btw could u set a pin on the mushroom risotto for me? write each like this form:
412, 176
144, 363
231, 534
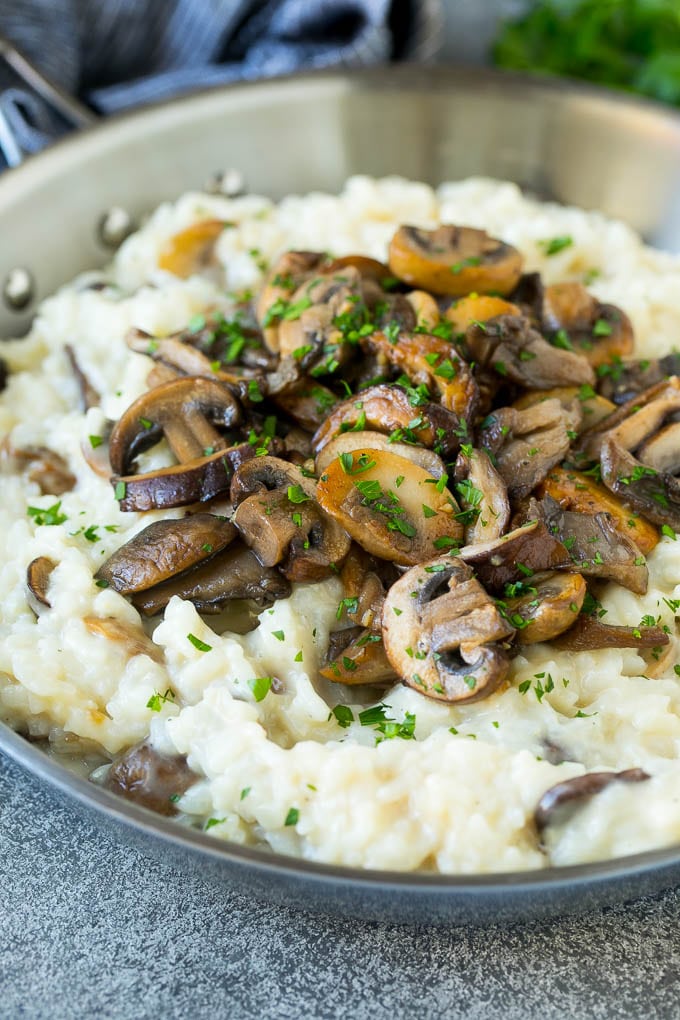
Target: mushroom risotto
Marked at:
347, 526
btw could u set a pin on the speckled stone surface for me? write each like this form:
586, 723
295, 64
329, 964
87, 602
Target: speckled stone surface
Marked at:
90, 928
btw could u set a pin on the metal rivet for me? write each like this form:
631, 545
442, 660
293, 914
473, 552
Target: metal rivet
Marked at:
229, 182
17, 289
114, 226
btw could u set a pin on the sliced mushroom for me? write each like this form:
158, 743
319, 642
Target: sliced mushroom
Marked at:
622, 382
196, 482
89, 397
278, 516
599, 331
38, 575
390, 506
478, 308
596, 547
589, 633
183, 411
442, 631
426, 309
431, 362
284, 277
38, 464
163, 549
594, 408
133, 639
516, 556
190, 250
578, 492
454, 260
151, 779
348, 442
589, 445
311, 318
182, 358
363, 589
363, 661
483, 496
654, 492
233, 573
572, 793
307, 403
514, 350
547, 607
388, 409
95, 450
525, 445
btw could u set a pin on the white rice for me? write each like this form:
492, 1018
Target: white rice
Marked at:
458, 798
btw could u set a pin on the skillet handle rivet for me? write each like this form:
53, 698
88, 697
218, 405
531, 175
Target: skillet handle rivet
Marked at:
228, 182
114, 226
17, 290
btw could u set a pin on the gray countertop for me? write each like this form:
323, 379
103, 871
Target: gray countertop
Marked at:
91, 928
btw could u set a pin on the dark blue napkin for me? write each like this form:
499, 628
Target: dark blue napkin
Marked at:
114, 54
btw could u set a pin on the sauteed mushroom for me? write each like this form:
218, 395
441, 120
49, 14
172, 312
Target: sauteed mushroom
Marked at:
163, 549
39, 464
478, 308
38, 575
390, 506
285, 276
654, 491
88, 394
623, 381
442, 632
310, 319
573, 792
599, 331
132, 638
526, 444
588, 633
517, 352
594, 408
547, 606
483, 495
190, 250
233, 573
516, 556
151, 779
348, 442
362, 661
278, 516
454, 260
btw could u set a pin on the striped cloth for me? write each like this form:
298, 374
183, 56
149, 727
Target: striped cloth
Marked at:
115, 54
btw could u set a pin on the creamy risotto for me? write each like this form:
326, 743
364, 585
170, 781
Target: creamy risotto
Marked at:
239, 719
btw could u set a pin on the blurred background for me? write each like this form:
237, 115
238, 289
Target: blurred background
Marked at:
109, 55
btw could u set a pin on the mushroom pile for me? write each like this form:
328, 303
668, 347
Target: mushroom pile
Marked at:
472, 453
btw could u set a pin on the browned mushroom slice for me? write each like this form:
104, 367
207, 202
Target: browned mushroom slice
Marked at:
38, 575
594, 408
89, 397
234, 573
367, 268
308, 403
431, 362
284, 277
514, 350
596, 547
578, 492
526, 444
41, 465
363, 589
278, 516
426, 309
516, 556
183, 411
547, 606
348, 442
599, 331
191, 249
163, 549
182, 358
151, 779
441, 632
362, 661
184, 484
388, 409
589, 444
309, 321
478, 308
133, 639
623, 381
454, 260
588, 633
390, 506
572, 793
655, 493
483, 496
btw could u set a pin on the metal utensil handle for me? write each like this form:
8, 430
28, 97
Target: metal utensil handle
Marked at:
70, 109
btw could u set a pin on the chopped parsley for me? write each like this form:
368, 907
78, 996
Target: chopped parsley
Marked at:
157, 700
51, 516
292, 817
198, 644
554, 245
260, 686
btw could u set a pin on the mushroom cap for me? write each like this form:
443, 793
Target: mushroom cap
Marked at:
38, 575
190, 250
573, 792
515, 556
483, 496
163, 549
151, 779
390, 506
547, 608
362, 661
441, 632
454, 260
348, 442
599, 331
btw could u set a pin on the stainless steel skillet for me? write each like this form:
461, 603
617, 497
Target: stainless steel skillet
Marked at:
561, 141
